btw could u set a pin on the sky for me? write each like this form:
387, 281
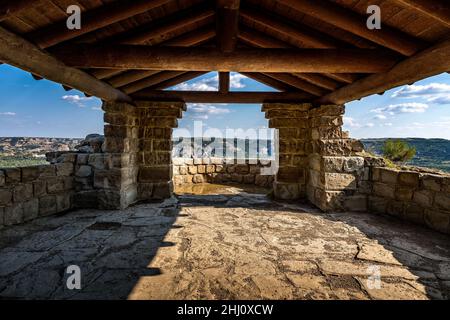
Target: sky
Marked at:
44, 109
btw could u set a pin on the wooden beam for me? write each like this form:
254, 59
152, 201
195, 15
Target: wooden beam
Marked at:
150, 81
356, 24
18, 52
192, 38
92, 20
298, 83
105, 73
268, 81
438, 10
177, 80
242, 60
217, 97
11, 7
343, 77
425, 64
130, 77
224, 82
227, 24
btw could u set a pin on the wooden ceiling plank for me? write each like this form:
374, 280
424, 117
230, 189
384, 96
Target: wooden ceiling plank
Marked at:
298, 83
242, 60
356, 24
439, 10
319, 80
427, 63
92, 20
18, 52
177, 80
11, 7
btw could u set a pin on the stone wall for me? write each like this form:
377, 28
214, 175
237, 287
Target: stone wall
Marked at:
30, 192
220, 170
419, 197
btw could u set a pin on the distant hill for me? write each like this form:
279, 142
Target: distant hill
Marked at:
431, 153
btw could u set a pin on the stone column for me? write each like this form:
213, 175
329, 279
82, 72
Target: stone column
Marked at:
291, 120
117, 180
335, 168
156, 122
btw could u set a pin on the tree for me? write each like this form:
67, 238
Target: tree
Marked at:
398, 151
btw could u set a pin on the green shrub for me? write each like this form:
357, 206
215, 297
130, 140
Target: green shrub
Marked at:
398, 151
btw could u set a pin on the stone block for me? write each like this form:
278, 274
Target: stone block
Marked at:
352, 164
231, 168
423, 198
47, 171
31, 209
97, 161
13, 175
175, 170
13, 215
342, 147
249, 179
242, 168
389, 176
220, 168
178, 180
395, 208
2, 178
47, 205
432, 182
356, 203
210, 168
145, 191
2, 217
384, 190
162, 190
30, 174
82, 158
414, 213
55, 185
39, 188
64, 169
332, 132
84, 171
162, 145
157, 158
217, 161
63, 202
198, 178
376, 174
197, 161
206, 161
178, 161
182, 170
404, 193
6, 197
261, 180
437, 220
339, 181
377, 204
286, 191
333, 164
236, 177
201, 169
329, 200
410, 179
23, 192
442, 201
155, 173
192, 169
315, 162
254, 169
110, 200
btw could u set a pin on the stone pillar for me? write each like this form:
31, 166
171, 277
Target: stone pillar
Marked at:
156, 122
291, 120
117, 180
335, 168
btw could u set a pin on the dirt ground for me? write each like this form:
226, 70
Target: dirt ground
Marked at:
231, 243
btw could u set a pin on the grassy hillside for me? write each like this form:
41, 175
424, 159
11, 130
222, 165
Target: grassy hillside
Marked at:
431, 153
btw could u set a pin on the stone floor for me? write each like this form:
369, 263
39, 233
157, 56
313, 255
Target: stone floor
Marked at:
236, 244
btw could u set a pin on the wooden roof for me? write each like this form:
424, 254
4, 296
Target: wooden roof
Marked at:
317, 50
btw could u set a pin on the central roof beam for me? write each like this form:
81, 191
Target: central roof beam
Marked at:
93, 20
227, 24
356, 24
242, 60
224, 82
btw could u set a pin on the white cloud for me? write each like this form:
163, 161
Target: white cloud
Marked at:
412, 107
434, 93
10, 114
380, 117
211, 83
202, 111
77, 100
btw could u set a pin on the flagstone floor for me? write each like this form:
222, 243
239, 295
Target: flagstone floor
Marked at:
234, 244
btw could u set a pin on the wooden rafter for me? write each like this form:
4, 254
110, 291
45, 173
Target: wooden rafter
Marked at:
227, 24
224, 82
298, 83
268, 81
18, 52
356, 24
217, 97
430, 62
319, 80
151, 81
242, 60
92, 20
438, 10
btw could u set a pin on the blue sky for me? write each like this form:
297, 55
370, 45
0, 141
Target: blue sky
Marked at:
44, 109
